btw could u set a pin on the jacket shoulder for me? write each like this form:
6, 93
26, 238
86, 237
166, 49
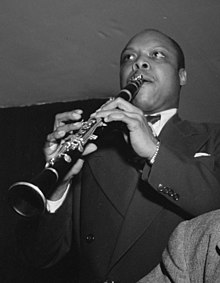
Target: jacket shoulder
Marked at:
201, 127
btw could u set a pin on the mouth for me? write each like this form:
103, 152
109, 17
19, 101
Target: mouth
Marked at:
145, 78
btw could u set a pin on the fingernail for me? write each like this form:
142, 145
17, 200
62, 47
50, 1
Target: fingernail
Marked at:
52, 145
94, 114
79, 111
61, 133
76, 115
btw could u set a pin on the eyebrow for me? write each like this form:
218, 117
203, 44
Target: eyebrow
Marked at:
161, 47
127, 49
151, 49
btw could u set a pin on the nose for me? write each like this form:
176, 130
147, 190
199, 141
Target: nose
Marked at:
141, 64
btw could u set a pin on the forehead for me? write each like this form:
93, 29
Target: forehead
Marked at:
150, 39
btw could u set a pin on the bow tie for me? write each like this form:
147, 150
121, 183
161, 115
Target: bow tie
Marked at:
153, 118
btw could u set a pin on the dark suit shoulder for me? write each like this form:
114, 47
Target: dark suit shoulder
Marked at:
198, 127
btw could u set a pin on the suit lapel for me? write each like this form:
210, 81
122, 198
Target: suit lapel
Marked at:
124, 192
140, 215
182, 136
115, 177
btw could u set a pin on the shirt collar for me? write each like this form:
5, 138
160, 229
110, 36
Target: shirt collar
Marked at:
165, 116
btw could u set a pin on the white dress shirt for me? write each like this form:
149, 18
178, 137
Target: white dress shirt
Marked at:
165, 116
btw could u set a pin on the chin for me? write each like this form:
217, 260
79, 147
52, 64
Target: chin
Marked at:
146, 106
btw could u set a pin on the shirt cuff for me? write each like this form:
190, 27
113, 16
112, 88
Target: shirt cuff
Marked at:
52, 206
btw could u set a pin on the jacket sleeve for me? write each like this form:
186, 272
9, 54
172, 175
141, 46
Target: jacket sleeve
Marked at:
43, 241
190, 182
192, 253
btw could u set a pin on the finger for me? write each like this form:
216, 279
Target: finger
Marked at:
50, 148
75, 169
51, 145
68, 128
134, 121
117, 114
62, 118
55, 136
78, 165
61, 131
91, 147
122, 116
101, 107
120, 103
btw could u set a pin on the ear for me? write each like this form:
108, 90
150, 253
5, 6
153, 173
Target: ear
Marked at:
182, 76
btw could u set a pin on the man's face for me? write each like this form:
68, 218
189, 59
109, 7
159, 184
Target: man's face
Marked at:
152, 55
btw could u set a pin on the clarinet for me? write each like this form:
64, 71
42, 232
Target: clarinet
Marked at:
30, 198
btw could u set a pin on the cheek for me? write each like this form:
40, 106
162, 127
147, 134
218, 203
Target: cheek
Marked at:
168, 81
124, 74
168, 75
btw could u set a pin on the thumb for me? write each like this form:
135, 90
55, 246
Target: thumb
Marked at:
50, 149
91, 147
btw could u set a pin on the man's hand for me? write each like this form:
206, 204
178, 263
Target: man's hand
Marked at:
140, 134
66, 123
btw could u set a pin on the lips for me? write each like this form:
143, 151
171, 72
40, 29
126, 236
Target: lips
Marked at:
146, 78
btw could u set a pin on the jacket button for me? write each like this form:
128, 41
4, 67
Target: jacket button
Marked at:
176, 196
160, 188
171, 193
90, 238
166, 190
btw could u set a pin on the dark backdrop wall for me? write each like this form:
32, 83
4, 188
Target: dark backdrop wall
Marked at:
23, 132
